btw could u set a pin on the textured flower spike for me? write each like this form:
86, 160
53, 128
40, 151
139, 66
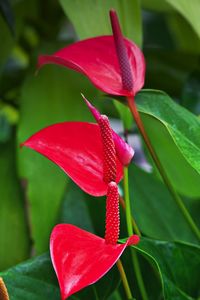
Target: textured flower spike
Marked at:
105, 67
122, 54
109, 153
123, 150
112, 214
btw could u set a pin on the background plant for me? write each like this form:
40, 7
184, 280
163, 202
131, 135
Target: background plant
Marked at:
35, 195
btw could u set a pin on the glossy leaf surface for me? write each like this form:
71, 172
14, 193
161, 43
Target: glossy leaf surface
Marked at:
155, 211
174, 133
81, 258
76, 147
32, 280
177, 265
97, 59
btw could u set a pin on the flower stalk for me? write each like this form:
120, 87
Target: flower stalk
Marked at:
130, 228
124, 280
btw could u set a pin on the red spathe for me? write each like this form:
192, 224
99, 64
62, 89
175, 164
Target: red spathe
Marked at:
81, 258
76, 147
97, 59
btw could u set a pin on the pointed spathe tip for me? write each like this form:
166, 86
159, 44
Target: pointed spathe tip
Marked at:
96, 114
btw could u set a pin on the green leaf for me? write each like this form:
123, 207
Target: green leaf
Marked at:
53, 96
156, 213
35, 280
97, 17
14, 238
177, 265
174, 133
32, 280
189, 10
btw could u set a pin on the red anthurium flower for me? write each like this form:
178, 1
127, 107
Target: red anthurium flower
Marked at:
77, 148
113, 64
81, 258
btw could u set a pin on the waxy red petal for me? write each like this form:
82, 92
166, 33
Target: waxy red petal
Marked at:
76, 147
97, 59
80, 258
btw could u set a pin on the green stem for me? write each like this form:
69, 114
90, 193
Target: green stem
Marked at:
128, 204
177, 199
130, 227
135, 227
124, 280
139, 275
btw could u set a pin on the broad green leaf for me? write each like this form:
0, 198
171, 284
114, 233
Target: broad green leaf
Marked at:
32, 280
177, 265
14, 240
174, 133
156, 213
189, 10
91, 18
53, 96
35, 280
